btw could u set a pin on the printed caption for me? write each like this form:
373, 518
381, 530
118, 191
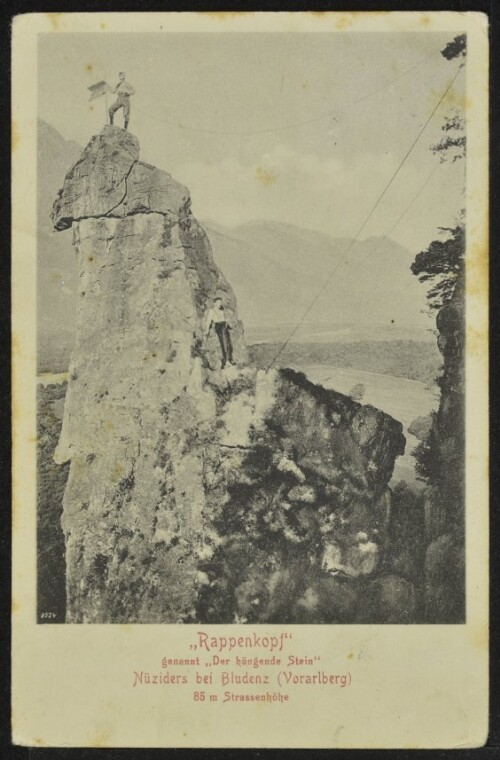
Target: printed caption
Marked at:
242, 669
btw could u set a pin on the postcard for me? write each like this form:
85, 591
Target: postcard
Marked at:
250, 380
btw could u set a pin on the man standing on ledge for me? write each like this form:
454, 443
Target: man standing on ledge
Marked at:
123, 90
216, 317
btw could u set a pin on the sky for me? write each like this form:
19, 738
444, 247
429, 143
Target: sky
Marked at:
304, 129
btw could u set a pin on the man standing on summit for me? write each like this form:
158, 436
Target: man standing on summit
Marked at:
123, 90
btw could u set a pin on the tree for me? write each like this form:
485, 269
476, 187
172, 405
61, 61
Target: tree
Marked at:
443, 264
451, 147
457, 48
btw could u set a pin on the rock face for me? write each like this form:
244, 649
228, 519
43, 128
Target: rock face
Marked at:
196, 494
445, 557
51, 482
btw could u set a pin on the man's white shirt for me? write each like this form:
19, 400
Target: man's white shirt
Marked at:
216, 316
124, 88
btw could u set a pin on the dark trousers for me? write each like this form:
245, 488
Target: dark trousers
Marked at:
123, 101
222, 330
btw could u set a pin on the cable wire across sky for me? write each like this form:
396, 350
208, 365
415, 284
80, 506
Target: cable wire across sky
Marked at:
367, 218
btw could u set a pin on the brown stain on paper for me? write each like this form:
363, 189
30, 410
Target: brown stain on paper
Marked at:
453, 99
476, 288
345, 20
479, 638
14, 136
265, 176
225, 15
456, 100
341, 20
101, 739
54, 19
476, 281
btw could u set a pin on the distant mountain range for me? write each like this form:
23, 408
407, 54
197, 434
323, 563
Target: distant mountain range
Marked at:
276, 271
56, 261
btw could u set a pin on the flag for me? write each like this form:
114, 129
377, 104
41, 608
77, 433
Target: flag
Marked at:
96, 90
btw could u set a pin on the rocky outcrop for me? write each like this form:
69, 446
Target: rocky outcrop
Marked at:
445, 556
109, 180
51, 482
304, 510
195, 493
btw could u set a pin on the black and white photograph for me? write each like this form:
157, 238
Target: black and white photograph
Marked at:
251, 328
250, 295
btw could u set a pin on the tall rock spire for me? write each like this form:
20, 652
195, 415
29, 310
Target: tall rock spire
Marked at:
146, 276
